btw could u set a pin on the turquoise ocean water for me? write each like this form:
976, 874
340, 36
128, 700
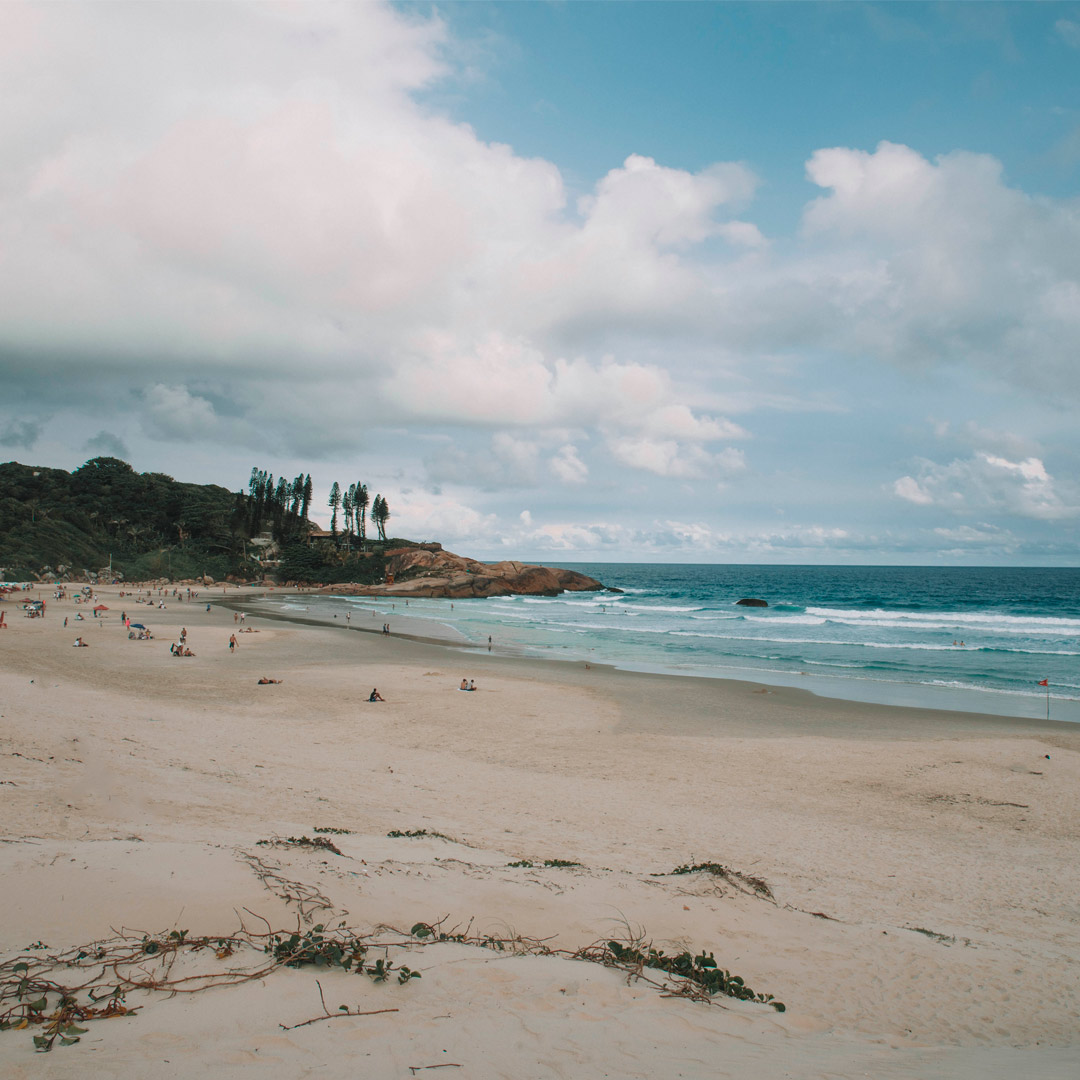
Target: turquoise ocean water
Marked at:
880, 634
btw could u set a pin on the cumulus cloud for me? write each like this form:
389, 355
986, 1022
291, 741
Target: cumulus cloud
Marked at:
568, 466
267, 237
987, 482
922, 261
664, 457
173, 412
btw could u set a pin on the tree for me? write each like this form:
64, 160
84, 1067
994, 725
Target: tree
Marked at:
360, 504
380, 514
306, 504
334, 503
347, 506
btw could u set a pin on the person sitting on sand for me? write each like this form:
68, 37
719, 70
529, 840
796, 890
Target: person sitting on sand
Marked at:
80, 644
188, 652
375, 696
464, 684
264, 681
472, 684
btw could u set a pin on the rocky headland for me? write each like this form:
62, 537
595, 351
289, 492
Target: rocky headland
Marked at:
429, 571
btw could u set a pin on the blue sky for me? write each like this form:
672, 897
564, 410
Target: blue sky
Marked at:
662, 281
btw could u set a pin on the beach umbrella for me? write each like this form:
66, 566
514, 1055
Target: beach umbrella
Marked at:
101, 607
137, 626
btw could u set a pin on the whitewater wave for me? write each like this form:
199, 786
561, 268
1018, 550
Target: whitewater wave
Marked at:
880, 616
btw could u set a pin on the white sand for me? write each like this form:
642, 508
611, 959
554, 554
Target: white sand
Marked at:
135, 787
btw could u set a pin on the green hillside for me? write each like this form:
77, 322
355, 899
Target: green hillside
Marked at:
148, 525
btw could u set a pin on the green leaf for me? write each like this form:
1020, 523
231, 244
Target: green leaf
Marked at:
21, 966
37, 1006
42, 1043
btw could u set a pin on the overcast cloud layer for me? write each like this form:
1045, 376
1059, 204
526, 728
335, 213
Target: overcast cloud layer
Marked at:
234, 235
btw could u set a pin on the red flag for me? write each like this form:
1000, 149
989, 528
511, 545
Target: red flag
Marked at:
1045, 682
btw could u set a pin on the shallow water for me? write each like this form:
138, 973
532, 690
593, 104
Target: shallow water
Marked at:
969, 638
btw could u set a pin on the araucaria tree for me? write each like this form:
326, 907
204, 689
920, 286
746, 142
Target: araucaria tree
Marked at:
360, 505
334, 503
380, 514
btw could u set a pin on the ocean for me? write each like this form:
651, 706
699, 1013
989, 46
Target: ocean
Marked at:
976, 639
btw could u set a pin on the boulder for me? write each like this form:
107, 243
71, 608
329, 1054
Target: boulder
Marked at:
750, 601
430, 571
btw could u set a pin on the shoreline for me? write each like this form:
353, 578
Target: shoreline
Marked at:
864, 717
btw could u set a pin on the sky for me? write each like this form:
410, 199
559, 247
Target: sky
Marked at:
763, 283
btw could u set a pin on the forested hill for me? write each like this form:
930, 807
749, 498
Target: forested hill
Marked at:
148, 526
148, 523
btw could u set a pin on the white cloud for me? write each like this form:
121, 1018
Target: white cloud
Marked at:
568, 466
986, 482
664, 457
908, 488
443, 518
172, 412
922, 261
269, 239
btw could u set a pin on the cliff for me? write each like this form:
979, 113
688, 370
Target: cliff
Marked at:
424, 572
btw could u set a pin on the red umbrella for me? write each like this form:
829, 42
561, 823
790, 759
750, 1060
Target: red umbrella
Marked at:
101, 607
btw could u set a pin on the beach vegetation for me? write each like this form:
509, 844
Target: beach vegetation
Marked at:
744, 882
58, 992
321, 843
414, 833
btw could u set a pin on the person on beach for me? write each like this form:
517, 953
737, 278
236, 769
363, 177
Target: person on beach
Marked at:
472, 685
375, 695
233, 643
264, 681
464, 684
80, 644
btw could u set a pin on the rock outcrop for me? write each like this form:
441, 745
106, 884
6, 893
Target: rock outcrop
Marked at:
750, 601
424, 572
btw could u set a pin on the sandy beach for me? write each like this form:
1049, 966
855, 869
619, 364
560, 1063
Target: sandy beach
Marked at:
906, 882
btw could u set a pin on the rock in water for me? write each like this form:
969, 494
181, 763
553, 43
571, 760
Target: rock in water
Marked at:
750, 601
